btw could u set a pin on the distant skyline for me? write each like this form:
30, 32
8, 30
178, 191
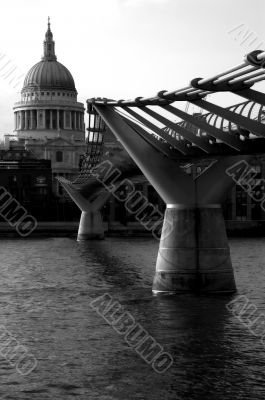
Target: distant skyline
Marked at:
127, 48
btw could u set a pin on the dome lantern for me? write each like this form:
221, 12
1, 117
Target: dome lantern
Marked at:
49, 45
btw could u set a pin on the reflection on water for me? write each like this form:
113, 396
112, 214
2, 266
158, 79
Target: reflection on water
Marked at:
45, 289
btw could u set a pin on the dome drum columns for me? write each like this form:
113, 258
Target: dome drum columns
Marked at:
50, 119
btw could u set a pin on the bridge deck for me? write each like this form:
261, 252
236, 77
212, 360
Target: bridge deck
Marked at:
218, 131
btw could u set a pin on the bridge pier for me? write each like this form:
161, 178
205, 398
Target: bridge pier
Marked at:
194, 254
90, 226
91, 223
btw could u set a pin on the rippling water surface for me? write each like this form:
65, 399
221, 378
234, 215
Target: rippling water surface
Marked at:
45, 289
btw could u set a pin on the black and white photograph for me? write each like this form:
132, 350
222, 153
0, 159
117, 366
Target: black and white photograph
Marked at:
132, 200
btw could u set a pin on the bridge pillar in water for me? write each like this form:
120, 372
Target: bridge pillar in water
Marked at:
90, 226
91, 223
193, 254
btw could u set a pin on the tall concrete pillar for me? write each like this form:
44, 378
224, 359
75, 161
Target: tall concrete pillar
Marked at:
91, 223
194, 253
90, 226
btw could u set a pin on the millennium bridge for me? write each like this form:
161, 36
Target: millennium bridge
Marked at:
159, 139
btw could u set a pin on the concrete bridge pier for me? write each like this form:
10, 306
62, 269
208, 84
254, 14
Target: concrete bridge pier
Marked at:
194, 253
90, 226
91, 223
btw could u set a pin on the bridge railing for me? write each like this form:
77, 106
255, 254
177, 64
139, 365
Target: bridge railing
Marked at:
217, 130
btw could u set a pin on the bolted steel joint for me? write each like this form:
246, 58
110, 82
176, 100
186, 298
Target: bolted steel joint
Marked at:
252, 59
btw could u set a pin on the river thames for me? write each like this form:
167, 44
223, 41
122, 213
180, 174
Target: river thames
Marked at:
45, 290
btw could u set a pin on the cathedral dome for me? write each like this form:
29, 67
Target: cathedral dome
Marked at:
49, 73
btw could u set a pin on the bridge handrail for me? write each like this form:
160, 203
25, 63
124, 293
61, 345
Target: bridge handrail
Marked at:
240, 77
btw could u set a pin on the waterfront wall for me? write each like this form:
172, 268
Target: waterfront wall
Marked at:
131, 229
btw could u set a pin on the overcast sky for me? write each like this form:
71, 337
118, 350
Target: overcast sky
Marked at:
127, 48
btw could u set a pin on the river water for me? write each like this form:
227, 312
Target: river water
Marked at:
46, 287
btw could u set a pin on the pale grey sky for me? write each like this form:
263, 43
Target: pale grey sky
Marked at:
127, 48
